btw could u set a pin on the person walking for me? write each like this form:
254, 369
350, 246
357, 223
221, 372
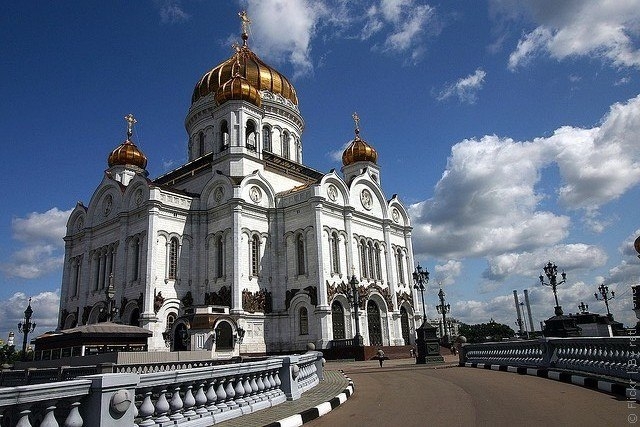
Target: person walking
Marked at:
380, 355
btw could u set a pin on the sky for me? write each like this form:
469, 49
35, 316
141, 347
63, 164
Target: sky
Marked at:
510, 129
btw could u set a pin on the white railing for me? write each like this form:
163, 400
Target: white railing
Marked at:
615, 357
192, 397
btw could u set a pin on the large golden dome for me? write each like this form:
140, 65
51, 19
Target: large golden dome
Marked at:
253, 69
359, 151
128, 153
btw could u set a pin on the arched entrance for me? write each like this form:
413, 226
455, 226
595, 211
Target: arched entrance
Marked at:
404, 325
375, 327
224, 336
134, 319
337, 320
181, 340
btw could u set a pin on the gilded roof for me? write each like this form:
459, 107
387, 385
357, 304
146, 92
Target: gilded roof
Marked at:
359, 151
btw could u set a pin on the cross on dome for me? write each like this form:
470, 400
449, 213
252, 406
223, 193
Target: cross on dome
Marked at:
356, 120
245, 22
130, 122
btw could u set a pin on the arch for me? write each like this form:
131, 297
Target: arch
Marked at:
181, 340
172, 267
251, 135
286, 141
224, 135
266, 138
300, 253
374, 323
254, 252
98, 314
334, 243
404, 326
337, 320
70, 321
303, 321
224, 335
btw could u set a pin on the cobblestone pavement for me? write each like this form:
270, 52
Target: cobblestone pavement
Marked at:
333, 384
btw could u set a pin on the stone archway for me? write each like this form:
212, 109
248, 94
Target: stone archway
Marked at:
375, 323
337, 321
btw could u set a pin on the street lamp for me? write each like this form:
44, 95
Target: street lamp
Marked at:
110, 292
551, 271
604, 292
26, 327
355, 302
420, 280
443, 309
584, 308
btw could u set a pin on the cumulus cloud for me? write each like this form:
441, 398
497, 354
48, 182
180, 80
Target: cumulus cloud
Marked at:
604, 30
488, 200
396, 25
465, 89
45, 307
42, 250
446, 274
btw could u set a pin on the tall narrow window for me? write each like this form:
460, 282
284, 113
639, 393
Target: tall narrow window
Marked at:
304, 321
298, 151
335, 253
255, 255
201, 144
400, 263
372, 270
285, 145
224, 135
266, 138
337, 321
135, 247
96, 271
173, 258
251, 135
300, 253
220, 257
376, 253
363, 258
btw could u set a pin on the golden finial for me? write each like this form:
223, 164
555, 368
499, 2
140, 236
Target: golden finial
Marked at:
245, 22
130, 122
356, 120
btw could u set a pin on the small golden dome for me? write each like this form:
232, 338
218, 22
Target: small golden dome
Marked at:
238, 88
250, 67
128, 153
359, 150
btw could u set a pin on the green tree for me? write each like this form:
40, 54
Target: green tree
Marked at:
484, 332
8, 354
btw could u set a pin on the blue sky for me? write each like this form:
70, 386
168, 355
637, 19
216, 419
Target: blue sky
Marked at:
509, 128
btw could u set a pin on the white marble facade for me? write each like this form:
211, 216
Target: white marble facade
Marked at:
245, 233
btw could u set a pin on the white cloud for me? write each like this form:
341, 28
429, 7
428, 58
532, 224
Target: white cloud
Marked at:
446, 274
45, 314
465, 89
487, 202
171, 12
42, 248
565, 29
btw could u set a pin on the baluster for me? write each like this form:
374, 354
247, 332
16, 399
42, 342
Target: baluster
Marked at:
239, 388
231, 393
162, 407
254, 386
24, 419
201, 400
146, 409
211, 396
74, 419
261, 386
221, 395
176, 405
49, 419
189, 402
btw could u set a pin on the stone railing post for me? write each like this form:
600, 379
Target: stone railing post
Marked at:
320, 365
548, 353
111, 400
289, 373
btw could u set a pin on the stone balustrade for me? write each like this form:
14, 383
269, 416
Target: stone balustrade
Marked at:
615, 357
191, 397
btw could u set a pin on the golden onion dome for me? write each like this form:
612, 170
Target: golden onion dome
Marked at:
238, 88
258, 74
359, 151
128, 153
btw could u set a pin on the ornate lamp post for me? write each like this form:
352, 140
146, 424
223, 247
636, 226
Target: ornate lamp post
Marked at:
443, 309
420, 280
355, 302
26, 327
110, 292
604, 293
584, 308
551, 271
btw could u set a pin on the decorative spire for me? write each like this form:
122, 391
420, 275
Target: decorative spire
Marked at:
130, 122
356, 120
245, 22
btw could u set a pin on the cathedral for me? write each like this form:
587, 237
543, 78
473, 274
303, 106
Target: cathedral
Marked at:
243, 249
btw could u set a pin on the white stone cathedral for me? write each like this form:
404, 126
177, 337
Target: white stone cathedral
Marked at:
243, 249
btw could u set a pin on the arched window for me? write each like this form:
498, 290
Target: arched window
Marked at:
266, 138
201, 144
219, 257
370, 255
255, 255
298, 151
135, 258
399, 260
363, 258
337, 320
173, 259
300, 253
251, 135
304, 321
376, 253
224, 336
335, 253
285, 145
96, 270
224, 135
171, 319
